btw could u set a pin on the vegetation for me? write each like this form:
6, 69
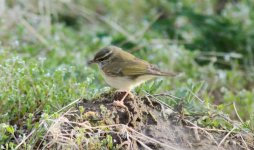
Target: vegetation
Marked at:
44, 47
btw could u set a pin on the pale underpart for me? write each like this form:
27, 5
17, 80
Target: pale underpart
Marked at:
125, 83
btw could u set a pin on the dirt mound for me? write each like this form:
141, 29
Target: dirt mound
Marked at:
147, 124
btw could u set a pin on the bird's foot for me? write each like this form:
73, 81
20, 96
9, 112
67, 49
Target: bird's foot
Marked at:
119, 104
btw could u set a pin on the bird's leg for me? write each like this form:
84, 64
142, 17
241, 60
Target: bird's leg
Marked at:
129, 93
121, 102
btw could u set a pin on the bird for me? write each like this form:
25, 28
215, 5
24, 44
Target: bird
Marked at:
124, 71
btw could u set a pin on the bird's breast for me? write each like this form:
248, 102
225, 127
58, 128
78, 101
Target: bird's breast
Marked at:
124, 82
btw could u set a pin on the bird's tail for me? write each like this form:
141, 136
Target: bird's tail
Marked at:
164, 73
156, 71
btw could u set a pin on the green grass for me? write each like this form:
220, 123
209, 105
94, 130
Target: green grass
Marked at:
41, 74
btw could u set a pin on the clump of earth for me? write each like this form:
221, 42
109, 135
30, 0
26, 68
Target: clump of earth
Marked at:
145, 124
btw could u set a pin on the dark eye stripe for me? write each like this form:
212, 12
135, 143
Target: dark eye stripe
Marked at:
101, 53
105, 56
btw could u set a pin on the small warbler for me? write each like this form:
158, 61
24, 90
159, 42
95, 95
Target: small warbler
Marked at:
124, 71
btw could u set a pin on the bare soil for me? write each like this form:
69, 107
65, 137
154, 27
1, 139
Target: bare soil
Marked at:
158, 126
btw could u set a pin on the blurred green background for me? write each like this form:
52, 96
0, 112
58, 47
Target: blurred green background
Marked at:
44, 46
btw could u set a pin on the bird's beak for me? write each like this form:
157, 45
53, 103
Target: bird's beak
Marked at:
90, 62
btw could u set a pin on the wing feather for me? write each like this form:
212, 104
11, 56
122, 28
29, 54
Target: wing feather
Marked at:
133, 66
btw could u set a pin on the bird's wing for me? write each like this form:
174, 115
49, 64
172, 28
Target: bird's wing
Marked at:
133, 68
141, 67
127, 67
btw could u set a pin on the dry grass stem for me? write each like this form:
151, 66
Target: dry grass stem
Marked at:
244, 142
34, 32
238, 116
209, 134
221, 142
